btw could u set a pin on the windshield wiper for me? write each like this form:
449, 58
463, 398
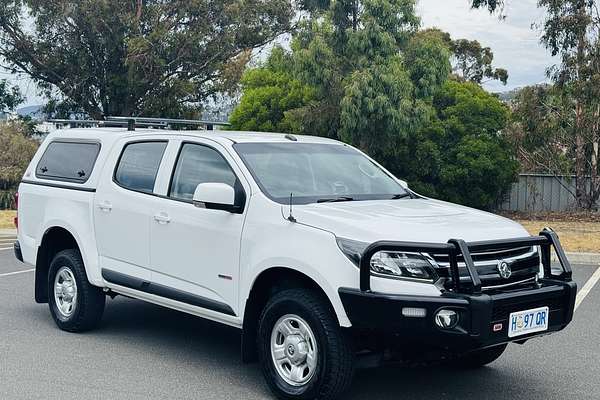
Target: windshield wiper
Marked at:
400, 196
335, 199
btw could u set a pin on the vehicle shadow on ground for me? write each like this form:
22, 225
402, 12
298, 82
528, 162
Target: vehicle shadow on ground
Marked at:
180, 338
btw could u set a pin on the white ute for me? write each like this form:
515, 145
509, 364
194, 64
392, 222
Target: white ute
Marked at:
319, 255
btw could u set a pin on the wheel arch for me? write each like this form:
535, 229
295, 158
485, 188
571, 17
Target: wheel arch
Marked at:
269, 282
55, 238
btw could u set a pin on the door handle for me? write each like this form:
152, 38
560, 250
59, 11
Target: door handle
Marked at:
162, 218
105, 206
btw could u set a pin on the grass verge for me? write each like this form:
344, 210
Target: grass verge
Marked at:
575, 236
6, 219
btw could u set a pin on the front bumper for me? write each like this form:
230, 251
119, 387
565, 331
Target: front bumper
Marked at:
478, 314
483, 314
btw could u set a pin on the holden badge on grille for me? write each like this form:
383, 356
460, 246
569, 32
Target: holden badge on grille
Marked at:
504, 269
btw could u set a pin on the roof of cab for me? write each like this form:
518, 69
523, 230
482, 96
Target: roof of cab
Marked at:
219, 135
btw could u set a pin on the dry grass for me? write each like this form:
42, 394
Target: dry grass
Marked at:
575, 236
6, 219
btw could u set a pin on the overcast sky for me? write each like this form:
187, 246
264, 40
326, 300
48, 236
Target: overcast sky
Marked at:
515, 45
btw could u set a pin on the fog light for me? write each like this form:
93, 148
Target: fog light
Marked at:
446, 319
411, 312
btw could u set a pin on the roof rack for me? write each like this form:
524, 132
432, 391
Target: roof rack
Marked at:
132, 122
94, 123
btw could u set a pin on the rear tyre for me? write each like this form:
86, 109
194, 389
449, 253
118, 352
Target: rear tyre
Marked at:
479, 358
304, 354
75, 304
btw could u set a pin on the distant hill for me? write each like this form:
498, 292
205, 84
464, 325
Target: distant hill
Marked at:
509, 95
31, 111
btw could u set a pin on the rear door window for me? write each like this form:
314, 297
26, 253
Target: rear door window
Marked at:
138, 165
68, 161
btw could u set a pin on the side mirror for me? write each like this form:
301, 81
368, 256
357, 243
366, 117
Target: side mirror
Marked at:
215, 196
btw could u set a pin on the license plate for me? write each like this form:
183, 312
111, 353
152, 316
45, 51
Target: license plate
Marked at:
528, 321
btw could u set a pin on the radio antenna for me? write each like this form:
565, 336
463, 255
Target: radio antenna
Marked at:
291, 216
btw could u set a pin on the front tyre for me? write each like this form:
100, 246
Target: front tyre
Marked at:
303, 352
75, 304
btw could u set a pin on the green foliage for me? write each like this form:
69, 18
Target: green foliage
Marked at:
150, 57
427, 61
343, 62
461, 156
269, 91
10, 99
378, 108
17, 151
541, 129
471, 109
10, 96
474, 62
478, 171
471, 61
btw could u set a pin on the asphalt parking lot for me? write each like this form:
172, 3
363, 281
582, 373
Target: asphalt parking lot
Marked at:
142, 351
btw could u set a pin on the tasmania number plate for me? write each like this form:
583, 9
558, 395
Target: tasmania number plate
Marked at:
528, 321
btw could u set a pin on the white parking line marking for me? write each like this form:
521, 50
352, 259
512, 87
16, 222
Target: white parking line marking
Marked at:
17, 272
6, 248
585, 290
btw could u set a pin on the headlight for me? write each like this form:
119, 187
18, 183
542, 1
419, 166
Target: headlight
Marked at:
396, 264
391, 264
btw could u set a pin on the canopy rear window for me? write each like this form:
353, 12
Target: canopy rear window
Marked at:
68, 161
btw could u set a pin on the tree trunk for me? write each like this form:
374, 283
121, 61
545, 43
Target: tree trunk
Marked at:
355, 15
595, 180
580, 170
580, 178
138, 12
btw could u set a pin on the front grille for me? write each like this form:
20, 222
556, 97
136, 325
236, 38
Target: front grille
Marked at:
524, 263
502, 310
501, 254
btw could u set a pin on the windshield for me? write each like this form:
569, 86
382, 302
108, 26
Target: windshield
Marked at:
315, 172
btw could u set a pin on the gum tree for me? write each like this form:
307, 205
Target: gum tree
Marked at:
379, 83
142, 57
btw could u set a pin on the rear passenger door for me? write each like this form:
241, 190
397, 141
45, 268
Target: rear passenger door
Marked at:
123, 209
195, 251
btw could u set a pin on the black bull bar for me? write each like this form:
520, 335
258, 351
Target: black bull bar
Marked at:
454, 248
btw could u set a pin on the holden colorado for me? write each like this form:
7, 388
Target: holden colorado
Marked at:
321, 257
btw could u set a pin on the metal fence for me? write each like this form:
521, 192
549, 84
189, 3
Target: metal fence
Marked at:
538, 192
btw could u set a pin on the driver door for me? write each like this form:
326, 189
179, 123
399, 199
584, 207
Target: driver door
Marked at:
195, 251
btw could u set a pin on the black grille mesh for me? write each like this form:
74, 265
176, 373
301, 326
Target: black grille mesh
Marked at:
487, 256
501, 311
